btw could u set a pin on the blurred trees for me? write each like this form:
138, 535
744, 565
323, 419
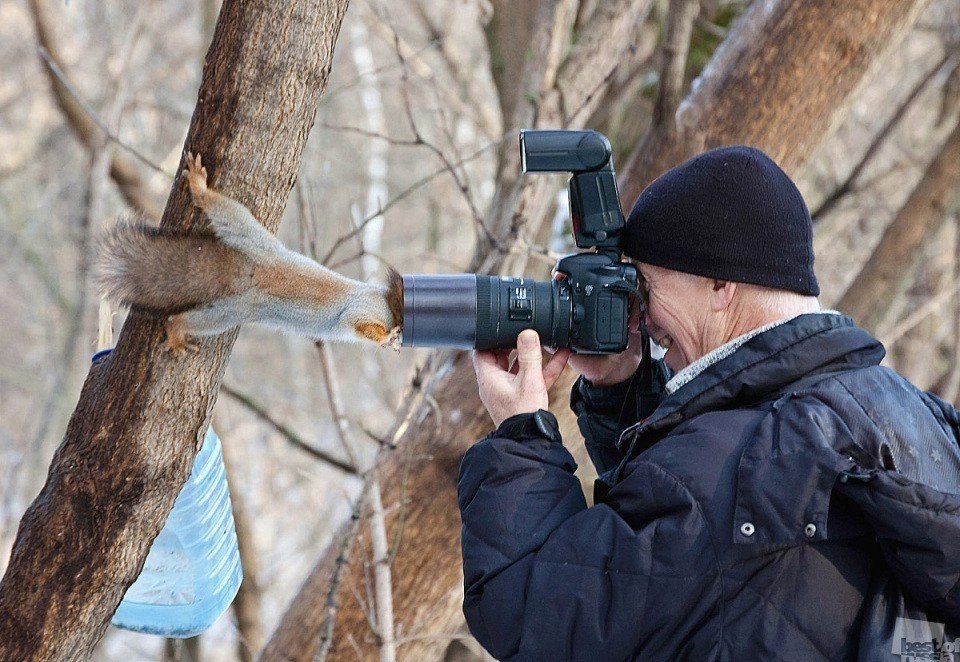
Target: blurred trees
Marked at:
855, 99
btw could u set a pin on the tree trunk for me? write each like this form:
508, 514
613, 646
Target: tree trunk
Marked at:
886, 273
131, 441
779, 82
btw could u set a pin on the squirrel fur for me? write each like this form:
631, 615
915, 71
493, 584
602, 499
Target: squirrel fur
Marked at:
208, 282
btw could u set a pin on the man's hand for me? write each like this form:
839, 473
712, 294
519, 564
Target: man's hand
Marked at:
521, 388
610, 369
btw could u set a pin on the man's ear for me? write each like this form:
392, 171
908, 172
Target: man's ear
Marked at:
722, 294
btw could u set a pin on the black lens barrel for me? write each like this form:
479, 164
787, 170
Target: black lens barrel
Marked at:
468, 311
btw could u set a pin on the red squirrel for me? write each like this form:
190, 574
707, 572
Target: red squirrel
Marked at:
209, 283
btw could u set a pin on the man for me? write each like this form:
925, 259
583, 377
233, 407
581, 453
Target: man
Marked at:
788, 498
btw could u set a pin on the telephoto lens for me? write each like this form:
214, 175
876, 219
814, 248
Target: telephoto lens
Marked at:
471, 311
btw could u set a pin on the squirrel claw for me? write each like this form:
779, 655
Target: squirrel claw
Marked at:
196, 175
393, 340
180, 347
177, 338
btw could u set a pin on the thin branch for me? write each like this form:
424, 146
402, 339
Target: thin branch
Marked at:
382, 580
369, 134
929, 307
336, 402
92, 114
846, 186
410, 189
347, 538
952, 388
246, 605
676, 45
359, 255
450, 167
374, 72
287, 433
409, 60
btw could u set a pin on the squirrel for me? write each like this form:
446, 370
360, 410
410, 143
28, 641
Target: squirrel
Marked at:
208, 283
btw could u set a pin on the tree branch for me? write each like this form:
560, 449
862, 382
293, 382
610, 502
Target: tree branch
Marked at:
883, 276
676, 45
125, 172
814, 54
879, 139
288, 434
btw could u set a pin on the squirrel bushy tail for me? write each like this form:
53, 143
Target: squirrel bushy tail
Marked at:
166, 271
237, 272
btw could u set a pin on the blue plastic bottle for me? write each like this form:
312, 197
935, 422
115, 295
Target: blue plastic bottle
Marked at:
193, 571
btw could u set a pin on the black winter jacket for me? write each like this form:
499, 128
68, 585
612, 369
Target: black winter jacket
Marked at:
794, 501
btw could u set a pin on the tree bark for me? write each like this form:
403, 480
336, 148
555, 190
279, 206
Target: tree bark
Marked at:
886, 273
131, 441
779, 82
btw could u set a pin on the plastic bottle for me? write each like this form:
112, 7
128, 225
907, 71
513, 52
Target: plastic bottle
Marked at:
193, 571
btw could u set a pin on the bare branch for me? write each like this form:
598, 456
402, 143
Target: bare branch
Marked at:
92, 114
676, 45
411, 189
286, 432
813, 54
369, 134
246, 605
336, 402
883, 276
907, 324
124, 171
879, 139
383, 582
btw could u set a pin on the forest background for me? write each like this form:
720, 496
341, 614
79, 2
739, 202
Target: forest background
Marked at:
412, 161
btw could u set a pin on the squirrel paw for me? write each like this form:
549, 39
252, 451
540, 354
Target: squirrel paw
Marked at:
378, 333
196, 175
177, 337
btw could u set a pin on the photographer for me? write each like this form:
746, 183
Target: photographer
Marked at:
784, 496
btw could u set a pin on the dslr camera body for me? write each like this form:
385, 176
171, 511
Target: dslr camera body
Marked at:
586, 310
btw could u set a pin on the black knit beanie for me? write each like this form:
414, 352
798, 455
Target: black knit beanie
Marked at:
731, 214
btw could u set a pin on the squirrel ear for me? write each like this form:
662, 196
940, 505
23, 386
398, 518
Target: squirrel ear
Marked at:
395, 295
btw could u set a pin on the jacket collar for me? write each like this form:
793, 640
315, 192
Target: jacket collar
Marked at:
809, 346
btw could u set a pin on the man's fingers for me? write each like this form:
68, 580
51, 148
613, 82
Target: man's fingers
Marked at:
487, 362
555, 366
528, 349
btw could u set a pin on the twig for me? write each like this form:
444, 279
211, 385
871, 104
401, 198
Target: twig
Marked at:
676, 45
410, 189
246, 605
287, 433
846, 186
711, 28
336, 403
408, 59
369, 134
357, 256
374, 72
92, 114
307, 227
952, 387
906, 324
336, 578
381, 568
462, 184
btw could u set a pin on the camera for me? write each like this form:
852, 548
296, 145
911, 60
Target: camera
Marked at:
587, 310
